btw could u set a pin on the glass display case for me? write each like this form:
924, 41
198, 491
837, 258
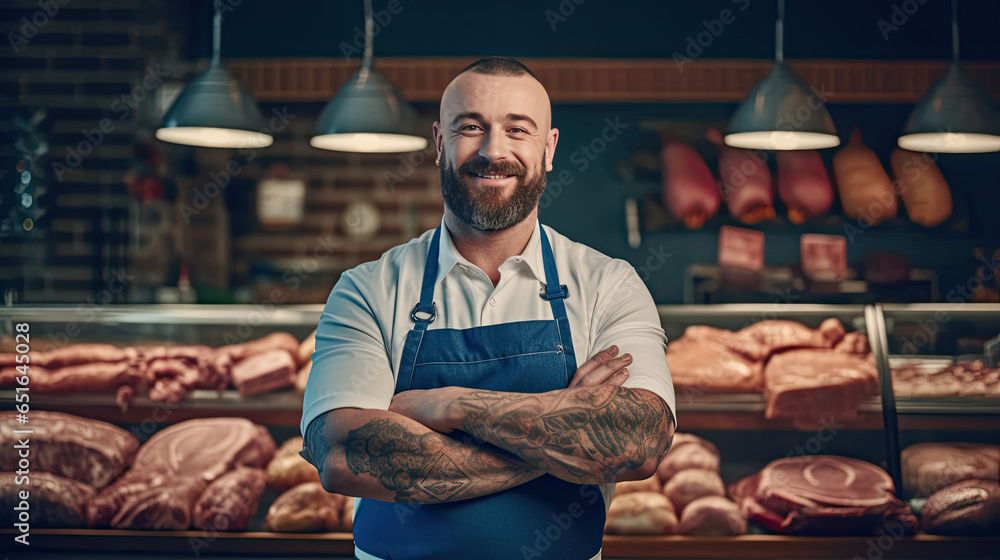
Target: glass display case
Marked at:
735, 422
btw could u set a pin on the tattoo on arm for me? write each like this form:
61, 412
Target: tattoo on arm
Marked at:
430, 467
583, 432
317, 443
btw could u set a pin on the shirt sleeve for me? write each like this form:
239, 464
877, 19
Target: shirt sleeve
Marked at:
351, 367
630, 320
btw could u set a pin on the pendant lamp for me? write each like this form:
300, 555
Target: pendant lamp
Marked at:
955, 115
368, 114
781, 112
214, 110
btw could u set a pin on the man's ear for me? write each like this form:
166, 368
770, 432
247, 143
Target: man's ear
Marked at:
438, 141
550, 147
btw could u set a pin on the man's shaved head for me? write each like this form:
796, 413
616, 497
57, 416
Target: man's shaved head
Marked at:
498, 66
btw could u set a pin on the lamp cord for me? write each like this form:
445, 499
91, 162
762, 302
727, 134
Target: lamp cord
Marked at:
216, 35
954, 29
779, 33
366, 62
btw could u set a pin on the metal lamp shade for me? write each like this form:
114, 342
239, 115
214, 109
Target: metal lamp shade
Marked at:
955, 116
782, 113
367, 115
215, 111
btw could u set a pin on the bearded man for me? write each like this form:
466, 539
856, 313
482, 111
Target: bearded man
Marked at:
445, 390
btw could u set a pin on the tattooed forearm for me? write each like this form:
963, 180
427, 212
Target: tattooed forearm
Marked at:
584, 434
430, 467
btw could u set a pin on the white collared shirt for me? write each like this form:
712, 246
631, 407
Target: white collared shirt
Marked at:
361, 333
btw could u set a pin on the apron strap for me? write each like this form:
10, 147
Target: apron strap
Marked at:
555, 293
425, 311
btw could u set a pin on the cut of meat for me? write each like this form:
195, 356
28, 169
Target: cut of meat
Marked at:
691, 456
929, 467
76, 354
91, 377
712, 516
288, 468
690, 484
267, 371
230, 501
822, 495
707, 366
777, 336
964, 378
746, 182
803, 184
277, 341
173, 469
302, 377
854, 343
641, 513
651, 484
347, 514
53, 501
689, 188
306, 508
968, 508
865, 188
737, 342
810, 385
684, 438
306, 349
80, 449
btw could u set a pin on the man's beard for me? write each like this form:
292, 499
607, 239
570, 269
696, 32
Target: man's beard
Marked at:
487, 209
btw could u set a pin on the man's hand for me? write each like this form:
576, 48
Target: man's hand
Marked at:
430, 407
604, 367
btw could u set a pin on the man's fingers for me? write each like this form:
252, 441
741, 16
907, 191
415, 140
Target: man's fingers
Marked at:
598, 360
604, 372
619, 378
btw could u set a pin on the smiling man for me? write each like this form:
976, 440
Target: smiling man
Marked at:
445, 390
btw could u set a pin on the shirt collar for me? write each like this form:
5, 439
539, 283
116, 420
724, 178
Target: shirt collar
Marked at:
449, 257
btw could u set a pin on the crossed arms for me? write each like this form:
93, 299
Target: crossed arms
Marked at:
594, 431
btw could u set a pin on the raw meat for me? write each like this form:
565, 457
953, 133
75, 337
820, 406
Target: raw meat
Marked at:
865, 188
712, 516
707, 366
923, 189
347, 514
854, 343
267, 371
306, 508
968, 508
822, 495
288, 468
691, 484
53, 501
964, 378
777, 336
683, 457
651, 484
306, 349
641, 513
80, 449
737, 342
276, 341
929, 467
173, 468
684, 438
810, 385
746, 182
689, 189
302, 377
803, 184
95, 377
76, 354
230, 501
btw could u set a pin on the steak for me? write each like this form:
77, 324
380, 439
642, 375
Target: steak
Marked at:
230, 501
821, 495
968, 508
929, 467
267, 371
306, 508
809, 385
53, 501
707, 366
88, 451
174, 468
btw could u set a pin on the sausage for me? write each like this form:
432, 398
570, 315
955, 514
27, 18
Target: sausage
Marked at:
688, 185
746, 182
864, 186
803, 184
923, 189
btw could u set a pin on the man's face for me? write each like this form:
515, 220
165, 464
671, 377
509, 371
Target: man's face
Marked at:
494, 145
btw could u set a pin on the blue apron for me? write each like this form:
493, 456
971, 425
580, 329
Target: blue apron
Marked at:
544, 518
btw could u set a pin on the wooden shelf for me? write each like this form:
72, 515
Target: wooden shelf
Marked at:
616, 80
330, 544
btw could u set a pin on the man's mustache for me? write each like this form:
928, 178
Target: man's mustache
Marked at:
482, 167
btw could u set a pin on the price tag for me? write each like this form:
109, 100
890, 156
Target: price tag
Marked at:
824, 257
741, 248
